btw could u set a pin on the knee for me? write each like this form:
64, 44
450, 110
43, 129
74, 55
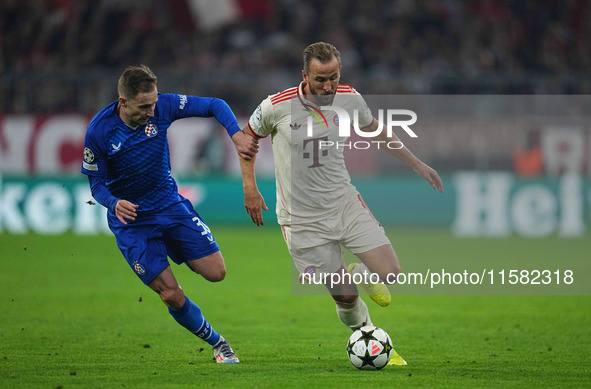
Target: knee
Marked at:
396, 271
215, 275
388, 275
212, 267
173, 298
345, 300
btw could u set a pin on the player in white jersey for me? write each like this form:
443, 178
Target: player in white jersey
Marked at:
317, 170
318, 208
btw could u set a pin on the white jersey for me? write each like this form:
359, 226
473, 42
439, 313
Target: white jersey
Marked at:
310, 171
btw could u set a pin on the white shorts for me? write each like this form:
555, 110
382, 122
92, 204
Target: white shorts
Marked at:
316, 247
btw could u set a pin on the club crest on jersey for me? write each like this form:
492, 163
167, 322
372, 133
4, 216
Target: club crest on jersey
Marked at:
336, 119
139, 269
310, 270
151, 130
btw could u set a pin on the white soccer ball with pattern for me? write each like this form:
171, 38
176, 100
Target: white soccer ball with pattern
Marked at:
369, 348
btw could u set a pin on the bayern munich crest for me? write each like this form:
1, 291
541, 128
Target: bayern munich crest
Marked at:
139, 269
310, 270
151, 130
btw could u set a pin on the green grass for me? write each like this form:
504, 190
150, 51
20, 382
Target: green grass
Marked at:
73, 315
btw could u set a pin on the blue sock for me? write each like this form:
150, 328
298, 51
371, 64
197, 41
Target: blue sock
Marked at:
190, 317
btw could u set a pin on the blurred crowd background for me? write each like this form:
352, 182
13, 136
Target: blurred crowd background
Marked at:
64, 55
501, 87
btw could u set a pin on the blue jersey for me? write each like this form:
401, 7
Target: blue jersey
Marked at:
135, 163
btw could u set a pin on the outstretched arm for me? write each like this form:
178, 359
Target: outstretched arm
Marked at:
253, 200
406, 156
246, 146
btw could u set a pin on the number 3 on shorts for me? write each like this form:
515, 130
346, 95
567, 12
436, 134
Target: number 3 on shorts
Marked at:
204, 227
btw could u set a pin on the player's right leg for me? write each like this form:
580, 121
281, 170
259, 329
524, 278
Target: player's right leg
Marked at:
211, 267
315, 252
351, 309
188, 239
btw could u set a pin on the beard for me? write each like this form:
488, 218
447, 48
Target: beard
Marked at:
323, 99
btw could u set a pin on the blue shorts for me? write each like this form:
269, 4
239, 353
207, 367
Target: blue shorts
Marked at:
176, 232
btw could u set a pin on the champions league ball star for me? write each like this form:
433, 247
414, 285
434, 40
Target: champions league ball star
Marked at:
369, 348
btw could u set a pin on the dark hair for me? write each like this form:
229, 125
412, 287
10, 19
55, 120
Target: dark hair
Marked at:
322, 51
136, 79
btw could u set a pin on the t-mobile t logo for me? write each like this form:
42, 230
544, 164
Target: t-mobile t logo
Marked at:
315, 152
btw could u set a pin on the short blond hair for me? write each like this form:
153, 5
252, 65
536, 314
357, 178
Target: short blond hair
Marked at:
322, 51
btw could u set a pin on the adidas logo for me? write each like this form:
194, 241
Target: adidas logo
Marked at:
375, 349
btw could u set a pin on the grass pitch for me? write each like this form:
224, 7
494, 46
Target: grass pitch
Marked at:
74, 315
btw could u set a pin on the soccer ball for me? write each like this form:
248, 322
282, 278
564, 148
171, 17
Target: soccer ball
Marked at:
369, 348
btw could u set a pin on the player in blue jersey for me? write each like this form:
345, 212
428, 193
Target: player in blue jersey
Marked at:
127, 160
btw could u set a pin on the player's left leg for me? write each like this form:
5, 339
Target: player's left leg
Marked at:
367, 239
381, 261
379, 266
189, 315
183, 310
212, 268
189, 240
